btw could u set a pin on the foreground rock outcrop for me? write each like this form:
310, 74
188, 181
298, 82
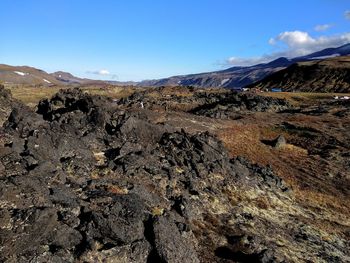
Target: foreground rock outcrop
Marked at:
83, 179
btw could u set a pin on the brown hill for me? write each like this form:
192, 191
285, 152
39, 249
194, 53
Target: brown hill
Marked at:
328, 75
26, 75
69, 79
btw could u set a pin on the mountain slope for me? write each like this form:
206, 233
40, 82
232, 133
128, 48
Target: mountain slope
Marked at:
325, 53
235, 77
328, 75
68, 78
26, 75
23, 75
238, 77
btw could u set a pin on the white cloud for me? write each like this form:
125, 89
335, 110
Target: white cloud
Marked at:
324, 27
293, 44
347, 14
298, 43
293, 38
103, 72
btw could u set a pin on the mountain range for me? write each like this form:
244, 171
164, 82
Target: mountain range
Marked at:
233, 78
238, 77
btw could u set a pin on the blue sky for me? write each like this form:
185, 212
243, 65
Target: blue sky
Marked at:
135, 40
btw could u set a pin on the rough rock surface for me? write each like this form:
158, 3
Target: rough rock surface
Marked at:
228, 105
85, 180
221, 105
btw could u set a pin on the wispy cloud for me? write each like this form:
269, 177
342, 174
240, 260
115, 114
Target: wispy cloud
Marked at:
324, 27
347, 14
104, 73
292, 44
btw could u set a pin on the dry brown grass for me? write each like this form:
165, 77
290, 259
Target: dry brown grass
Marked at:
245, 140
291, 163
170, 91
30, 95
297, 98
111, 91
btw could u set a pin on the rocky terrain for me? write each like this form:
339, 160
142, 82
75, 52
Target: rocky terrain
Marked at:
224, 102
173, 175
328, 75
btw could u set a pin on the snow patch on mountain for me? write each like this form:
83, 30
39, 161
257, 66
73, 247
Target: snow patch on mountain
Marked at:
224, 81
324, 57
20, 73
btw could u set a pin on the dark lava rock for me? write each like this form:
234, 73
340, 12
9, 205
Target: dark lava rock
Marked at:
6, 103
170, 246
82, 180
118, 222
226, 106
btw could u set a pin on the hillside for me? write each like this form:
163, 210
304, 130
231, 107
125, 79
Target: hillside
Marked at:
235, 77
328, 75
26, 75
69, 79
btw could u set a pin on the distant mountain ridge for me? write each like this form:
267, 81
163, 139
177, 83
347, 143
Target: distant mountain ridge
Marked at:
328, 52
238, 77
233, 78
24, 75
68, 78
